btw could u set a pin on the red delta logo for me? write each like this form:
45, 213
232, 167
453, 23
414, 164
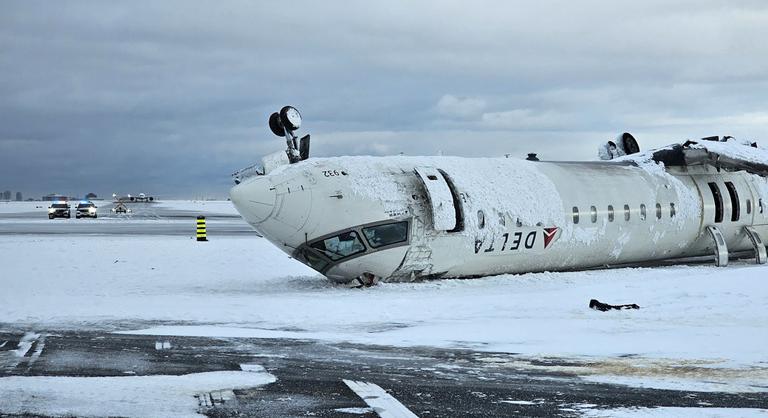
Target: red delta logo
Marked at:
549, 236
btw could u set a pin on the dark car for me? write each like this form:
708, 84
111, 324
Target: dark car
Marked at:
85, 210
59, 210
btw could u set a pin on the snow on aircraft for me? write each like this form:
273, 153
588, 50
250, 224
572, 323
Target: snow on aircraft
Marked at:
398, 218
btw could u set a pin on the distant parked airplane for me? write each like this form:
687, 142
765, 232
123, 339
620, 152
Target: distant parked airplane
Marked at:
141, 198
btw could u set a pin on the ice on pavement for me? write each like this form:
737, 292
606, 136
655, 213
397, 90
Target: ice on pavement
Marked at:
124, 396
675, 412
711, 318
213, 207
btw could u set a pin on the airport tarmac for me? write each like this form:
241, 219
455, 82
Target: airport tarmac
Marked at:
144, 219
310, 376
84, 361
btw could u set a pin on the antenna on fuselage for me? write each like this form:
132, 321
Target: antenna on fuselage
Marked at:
284, 124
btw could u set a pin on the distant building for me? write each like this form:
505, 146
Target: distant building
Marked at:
18, 197
53, 197
7, 195
90, 196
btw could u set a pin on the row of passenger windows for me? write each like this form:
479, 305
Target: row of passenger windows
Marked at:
627, 213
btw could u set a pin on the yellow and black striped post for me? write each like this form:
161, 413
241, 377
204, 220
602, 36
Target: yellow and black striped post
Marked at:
201, 234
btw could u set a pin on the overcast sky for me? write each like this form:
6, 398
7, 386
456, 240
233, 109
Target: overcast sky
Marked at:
171, 97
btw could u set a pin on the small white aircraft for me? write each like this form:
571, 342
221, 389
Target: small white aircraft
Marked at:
364, 219
141, 198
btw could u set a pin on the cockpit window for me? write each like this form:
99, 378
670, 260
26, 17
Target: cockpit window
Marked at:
314, 260
340, 246
387, 234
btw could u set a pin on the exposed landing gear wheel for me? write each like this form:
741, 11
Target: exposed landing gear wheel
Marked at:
275, 125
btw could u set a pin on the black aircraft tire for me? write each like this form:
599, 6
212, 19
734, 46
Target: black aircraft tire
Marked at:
276, 125
286, 121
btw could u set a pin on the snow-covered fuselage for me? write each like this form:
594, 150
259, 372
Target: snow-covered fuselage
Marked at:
404, 218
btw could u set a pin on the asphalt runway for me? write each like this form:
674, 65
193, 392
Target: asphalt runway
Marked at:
145, 219
312, 378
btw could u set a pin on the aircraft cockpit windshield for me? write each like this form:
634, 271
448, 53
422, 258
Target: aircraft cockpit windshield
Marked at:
340, 246
387, 234
325, 252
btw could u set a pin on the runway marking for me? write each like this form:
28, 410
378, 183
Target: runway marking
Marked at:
38, 350
214, 398
26, 343
162, 345
21, 354
384, 404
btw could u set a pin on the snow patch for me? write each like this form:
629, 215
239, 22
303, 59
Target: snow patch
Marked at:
125, 396
665, 412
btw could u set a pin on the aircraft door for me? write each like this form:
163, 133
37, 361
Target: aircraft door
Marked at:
441, 199
758, 187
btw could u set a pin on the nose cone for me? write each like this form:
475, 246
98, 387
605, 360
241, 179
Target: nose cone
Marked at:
254, 199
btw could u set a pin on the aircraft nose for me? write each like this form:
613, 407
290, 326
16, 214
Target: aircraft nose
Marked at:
254, 199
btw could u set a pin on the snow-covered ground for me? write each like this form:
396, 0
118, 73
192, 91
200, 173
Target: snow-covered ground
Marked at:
150, 396
23, 207
697, 325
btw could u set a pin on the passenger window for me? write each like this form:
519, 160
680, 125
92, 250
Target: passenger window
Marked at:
480, 219
593, 213
672, 210
658, 211
642, 212
388, 234
575, 215
610, 213
626, 213
760, 202
749, 206
340, 246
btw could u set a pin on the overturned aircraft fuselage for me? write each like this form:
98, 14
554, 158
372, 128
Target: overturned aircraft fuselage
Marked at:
405, 218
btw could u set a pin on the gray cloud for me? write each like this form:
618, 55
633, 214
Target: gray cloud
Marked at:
170, 97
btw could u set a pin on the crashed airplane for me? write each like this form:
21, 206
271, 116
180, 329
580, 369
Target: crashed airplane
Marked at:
397, 218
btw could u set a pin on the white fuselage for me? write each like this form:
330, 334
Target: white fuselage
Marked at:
403, 218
